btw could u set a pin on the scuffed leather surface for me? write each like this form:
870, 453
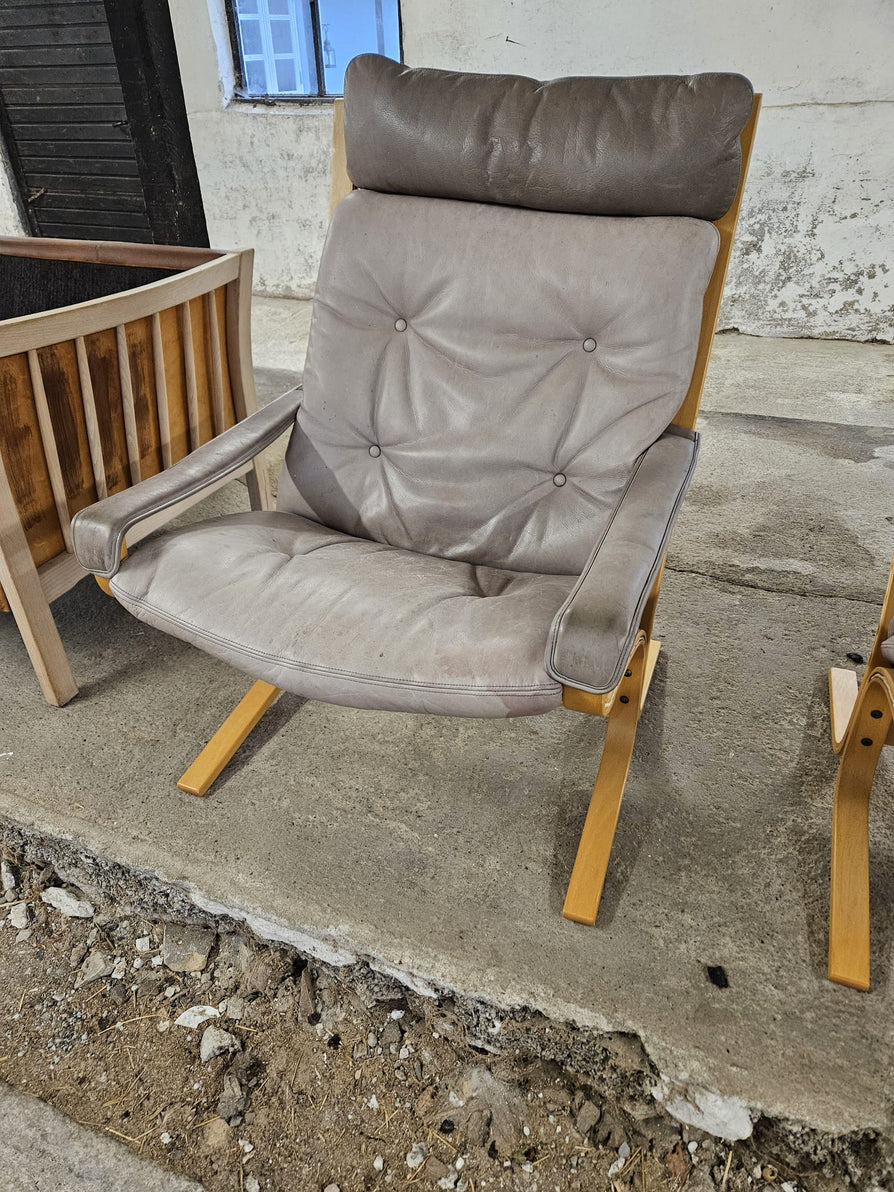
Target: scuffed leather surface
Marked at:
350, 621
660, 145
98, 531
489, 393
888, 645
593, 633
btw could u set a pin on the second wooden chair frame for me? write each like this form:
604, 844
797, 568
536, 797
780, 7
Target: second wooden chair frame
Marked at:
175, 353
862, 718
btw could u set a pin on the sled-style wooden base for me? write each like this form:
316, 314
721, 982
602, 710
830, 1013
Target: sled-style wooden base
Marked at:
623, 707
843, 688
862, 716
208, 765
870, 723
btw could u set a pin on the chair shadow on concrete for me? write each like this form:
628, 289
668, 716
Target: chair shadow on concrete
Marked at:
274, 721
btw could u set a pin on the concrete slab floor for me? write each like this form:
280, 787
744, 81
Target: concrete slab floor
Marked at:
440, 848
42, 1150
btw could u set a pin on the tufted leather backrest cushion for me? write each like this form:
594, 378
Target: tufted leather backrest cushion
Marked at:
480, 380
658, 145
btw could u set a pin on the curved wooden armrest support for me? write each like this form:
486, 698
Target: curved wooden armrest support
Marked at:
601, 705
593, 851
870, 724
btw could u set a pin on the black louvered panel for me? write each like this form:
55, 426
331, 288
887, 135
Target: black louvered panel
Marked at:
87, 149
37, 94
36, 35
50, 15
67, 123
29, 284
37, 130
133, 203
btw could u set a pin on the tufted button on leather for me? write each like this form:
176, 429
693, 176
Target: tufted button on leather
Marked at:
400, 325
589, 345
559, 479
375, 451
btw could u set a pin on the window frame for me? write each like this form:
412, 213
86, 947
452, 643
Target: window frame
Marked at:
241, 95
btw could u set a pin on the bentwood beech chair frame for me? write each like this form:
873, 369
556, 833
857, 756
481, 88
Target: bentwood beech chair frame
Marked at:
862, 718
388, 159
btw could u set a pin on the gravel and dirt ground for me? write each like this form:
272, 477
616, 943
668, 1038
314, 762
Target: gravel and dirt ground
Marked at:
249, 1067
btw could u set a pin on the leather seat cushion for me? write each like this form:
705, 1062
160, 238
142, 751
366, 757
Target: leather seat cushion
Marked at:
350, 621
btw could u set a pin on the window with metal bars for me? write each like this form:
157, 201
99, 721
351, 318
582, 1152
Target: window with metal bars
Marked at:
299, 48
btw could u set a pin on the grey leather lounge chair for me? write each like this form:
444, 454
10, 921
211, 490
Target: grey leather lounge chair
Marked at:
512, 324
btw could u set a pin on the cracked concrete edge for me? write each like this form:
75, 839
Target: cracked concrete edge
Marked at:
726, 1117
650, 1086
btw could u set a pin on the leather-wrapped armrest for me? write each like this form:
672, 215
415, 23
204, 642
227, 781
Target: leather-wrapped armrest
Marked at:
594, 630
98, 531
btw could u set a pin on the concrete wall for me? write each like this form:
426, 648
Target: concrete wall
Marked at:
813, 255
815, 245
814, 251
263, 168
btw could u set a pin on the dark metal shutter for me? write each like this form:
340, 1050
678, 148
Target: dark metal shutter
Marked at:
95, 159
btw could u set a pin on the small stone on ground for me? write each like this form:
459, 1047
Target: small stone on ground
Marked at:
67, 903
186, 949
215, 1042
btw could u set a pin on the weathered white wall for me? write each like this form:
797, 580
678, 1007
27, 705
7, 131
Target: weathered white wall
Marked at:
11, 222
817, 233
263, 168
814, 251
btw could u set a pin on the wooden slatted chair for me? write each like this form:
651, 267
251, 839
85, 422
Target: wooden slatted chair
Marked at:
98, 394
508, 349
862, 717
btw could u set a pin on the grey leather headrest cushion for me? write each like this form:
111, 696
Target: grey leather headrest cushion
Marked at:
655, 145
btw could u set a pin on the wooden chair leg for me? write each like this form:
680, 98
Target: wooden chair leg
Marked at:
205, 769
30, 608
593, 852
34, 619
849, 887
